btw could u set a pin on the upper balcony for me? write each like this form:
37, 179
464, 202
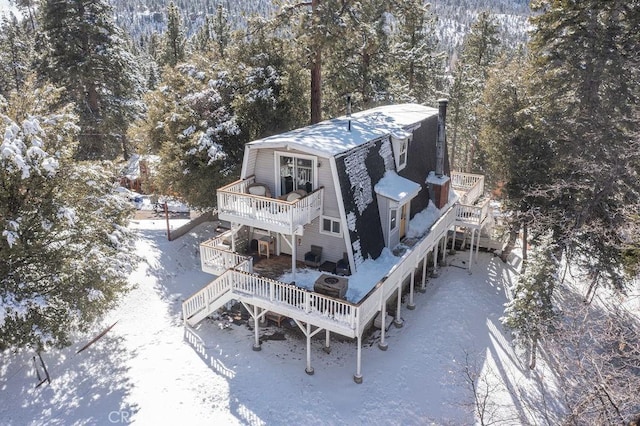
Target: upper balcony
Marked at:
472, 210
287, 216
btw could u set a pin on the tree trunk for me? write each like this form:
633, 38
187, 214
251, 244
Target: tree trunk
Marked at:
533, 353
316, 88
525, 233
316, 78
511, 243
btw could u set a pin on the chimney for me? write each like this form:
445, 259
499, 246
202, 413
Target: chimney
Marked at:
349, 110
437, 181
442, 136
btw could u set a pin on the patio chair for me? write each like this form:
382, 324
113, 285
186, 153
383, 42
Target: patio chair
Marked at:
342, 265
259, 189
313, 258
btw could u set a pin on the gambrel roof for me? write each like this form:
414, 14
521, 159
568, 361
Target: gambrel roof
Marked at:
332, 137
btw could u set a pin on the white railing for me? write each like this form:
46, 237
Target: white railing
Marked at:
203, 300
245, 285
471, 185
472, 215
271, 213
295, 298
369, 307
216, 257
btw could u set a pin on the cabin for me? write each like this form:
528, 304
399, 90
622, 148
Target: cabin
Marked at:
339, 197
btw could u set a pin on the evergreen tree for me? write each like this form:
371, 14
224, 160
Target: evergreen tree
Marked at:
360, 59
215, 31
530, 313
192, 126
174, 40
271, 97
517, 155
479, 51
221, 30
29, 8
587, 82
65, 252
417, 65
85, 52
16, 54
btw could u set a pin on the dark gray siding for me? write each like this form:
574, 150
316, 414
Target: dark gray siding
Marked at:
421, 159
359, 170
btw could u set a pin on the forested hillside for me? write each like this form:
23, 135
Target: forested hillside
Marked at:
141, 18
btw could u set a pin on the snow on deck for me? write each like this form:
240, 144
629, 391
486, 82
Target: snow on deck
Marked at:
371, 271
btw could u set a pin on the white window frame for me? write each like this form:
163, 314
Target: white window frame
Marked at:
314, 168
400, 150
331, 232
402, 157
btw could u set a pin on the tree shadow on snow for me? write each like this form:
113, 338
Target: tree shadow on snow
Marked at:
86, 388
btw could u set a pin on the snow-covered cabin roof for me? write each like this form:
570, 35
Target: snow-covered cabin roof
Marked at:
396, 187
132, 169
332, 137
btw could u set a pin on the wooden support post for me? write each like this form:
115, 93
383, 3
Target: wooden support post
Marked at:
327, 342
435, 272
411, 305
383, 328
423, 286
397, 321
294, 245
478, 244
256, 328
358, 376
309, 369
473, 233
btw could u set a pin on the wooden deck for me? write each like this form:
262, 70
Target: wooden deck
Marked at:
275, 266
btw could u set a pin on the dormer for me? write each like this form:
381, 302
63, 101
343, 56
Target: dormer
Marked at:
400, 142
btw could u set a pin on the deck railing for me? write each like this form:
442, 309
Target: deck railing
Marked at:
201, 302
370, 305
236, 205
216, 256
472, 215
268, 293
471, 185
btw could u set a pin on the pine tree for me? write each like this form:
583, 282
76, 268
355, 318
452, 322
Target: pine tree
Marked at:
417, 64
587, 82
65, 252
16, 54
517, 155
192, 126
530, 313
85, 53
271, 98
479, 51
173, 40
221, 31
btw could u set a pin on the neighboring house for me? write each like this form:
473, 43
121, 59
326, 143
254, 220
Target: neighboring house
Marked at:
137, 173
335, 195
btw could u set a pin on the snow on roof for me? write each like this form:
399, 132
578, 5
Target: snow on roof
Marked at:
438, 180
396, 187
332, 137
132, 169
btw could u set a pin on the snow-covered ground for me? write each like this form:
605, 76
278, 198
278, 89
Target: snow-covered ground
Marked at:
149, 370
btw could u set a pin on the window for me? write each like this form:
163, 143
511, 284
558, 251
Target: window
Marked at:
393, 219
400, 151
330, 226
296, 172
402, 158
